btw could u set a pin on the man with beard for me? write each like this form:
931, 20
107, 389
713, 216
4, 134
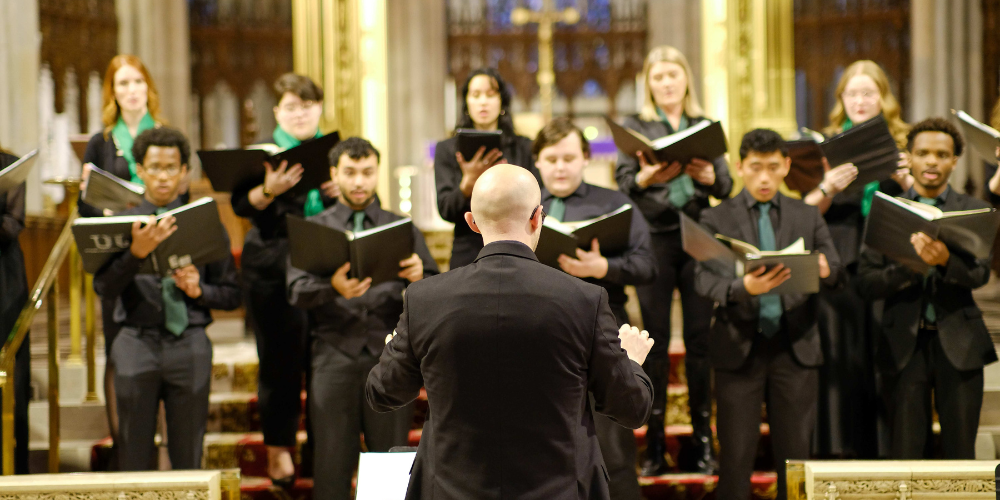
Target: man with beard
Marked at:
348, 321
934, 337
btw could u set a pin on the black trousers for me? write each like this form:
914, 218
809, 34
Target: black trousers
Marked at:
676, 270
847, 415
153, 365
958, 398
618, 444
22, 389
341, 414
790, 391
281, 335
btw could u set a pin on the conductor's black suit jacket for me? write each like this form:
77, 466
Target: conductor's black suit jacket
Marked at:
507, 349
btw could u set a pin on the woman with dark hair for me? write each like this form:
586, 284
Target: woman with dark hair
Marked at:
14, 294
485, 106
278, 327
662, 192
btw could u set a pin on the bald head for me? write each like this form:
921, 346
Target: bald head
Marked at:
502, 202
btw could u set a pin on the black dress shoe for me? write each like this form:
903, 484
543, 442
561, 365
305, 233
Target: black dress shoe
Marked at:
286, 483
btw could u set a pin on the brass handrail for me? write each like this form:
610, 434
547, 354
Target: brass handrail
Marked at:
45, 286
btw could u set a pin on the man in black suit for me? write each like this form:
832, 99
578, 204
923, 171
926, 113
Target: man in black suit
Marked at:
933, 334
162, 351
348, 321
561, 153
508, 349
764, 343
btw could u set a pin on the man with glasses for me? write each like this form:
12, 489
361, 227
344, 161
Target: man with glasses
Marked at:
934, 339
508, 349
162, 351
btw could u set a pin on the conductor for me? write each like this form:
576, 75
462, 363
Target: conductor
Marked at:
507, 349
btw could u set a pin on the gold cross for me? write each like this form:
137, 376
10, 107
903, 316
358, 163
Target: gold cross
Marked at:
545, 18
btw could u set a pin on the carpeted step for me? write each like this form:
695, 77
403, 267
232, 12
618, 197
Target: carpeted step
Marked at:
702, 487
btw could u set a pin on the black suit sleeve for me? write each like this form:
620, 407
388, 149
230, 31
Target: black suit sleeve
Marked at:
452, 203
720, 288
880, 277
92, 155
306, 290
420, 248
220, 288
116, 274
12, 215
637, 266
621, 390
965, 271
824, 244
396, 380
723, 182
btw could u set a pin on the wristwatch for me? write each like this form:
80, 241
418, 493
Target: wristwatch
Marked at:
267, 193
821, 189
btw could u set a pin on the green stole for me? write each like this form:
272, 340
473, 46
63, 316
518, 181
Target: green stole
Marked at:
682, 186
124, 141
284, 140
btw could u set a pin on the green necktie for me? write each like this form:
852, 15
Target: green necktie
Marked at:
124, 141
175, 313
314, 202
929, 313
557, 210
359, 221
770, 303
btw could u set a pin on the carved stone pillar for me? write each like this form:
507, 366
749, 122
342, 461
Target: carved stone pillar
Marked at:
748, 66
20, 43
158, 32
342, 45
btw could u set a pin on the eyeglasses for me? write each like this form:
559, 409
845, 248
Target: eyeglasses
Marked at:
865, 95
533, 212
294, 108
156, 171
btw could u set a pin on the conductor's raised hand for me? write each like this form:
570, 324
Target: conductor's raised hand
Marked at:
281, 179
931, 251
586, 264
759, 282
146, 238
413, 268
701, 171
636, 344
349, 288
653, 173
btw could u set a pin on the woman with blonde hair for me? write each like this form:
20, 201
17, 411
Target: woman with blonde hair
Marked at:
131, 105
847, 420
662, 192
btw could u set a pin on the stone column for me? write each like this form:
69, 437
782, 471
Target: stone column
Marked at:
158, 32
20, 44
946, 50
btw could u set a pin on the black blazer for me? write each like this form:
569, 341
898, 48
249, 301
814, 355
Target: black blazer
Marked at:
961, 328
736, 311
452, 203
507, 349
13, 280
654, 201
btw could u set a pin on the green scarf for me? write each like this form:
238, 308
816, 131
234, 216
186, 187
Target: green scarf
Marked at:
871, 188
682, 186
124, 141
284, 140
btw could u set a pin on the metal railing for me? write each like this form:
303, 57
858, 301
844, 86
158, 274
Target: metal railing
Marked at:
47, 287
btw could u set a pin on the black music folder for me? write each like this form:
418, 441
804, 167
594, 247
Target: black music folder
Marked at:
16, 173
982, 137
107, 191
705, 140
612, 231
732, 257
892, 221
230, 169
200, 238
373, 253
470, 140
870, 147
